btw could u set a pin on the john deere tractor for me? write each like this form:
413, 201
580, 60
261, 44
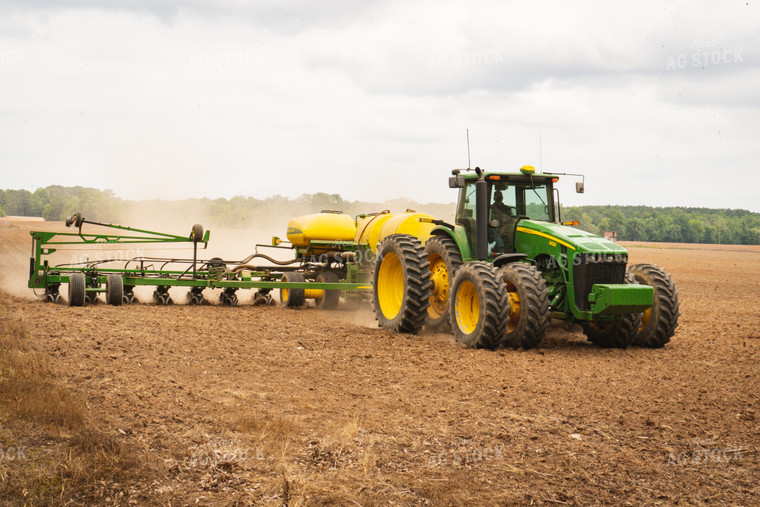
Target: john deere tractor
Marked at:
508, 265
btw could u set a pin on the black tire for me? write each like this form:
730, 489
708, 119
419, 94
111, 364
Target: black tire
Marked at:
445, 260
659, 323
129, 295
52, 294
527, 305
114, 289
478, 305
77, 289
196, 234
401, 284
164, 299
263, 298
216, 266
613, 334
195, 297
618, 333
228, 298
331, 298
293, 298
162, 296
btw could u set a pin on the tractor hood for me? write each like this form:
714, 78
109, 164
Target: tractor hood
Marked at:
535, 237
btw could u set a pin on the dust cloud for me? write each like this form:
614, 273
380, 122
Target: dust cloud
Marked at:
233, 237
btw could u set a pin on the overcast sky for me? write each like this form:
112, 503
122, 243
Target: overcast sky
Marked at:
654, 102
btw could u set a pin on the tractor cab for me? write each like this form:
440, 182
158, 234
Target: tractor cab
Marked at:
506, 199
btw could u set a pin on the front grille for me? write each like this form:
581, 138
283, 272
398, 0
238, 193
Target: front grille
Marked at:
589, 269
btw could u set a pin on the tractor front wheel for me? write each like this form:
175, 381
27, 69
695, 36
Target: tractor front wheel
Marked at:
613, 334
445, 259
658, 324
528, 303
401, 284
616, 334
478, 305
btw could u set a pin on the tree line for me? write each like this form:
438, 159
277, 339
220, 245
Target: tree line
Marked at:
631, 223
673, 225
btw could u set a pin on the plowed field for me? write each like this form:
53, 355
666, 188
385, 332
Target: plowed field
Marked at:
273, 406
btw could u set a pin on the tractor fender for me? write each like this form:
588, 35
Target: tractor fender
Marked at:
507, 258
458, 234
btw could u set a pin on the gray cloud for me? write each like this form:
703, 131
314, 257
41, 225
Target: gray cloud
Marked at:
286, 16
373, 94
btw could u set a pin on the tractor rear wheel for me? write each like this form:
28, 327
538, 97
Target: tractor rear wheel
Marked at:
528, 303
478, 305
658, 324
330, 297
114, 289
401, 284
293, 297
77, 289
445, 259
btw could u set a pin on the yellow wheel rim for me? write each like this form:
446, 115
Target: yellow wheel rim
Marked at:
467, 307
513, 300
285, 293
439, 296
390, 286
514, 311
645, 318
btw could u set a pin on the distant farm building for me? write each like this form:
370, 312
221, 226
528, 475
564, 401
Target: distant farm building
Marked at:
610, 235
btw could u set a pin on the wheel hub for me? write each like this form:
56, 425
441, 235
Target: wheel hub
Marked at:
439, 275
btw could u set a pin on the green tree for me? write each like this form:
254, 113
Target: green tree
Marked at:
694, 231
22, 203
720, 226
634, 230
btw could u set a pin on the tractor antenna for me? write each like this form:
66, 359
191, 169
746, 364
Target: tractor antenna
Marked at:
540, 161
469, 165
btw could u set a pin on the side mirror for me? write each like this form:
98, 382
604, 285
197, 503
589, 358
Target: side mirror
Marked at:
579, 187
456, 181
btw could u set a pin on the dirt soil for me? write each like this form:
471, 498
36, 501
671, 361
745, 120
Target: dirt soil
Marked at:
267, 405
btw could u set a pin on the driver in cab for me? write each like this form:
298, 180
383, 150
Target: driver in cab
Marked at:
501, 224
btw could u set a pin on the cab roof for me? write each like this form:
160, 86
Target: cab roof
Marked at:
512, 177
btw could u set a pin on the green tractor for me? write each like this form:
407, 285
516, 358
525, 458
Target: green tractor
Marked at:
508, 265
